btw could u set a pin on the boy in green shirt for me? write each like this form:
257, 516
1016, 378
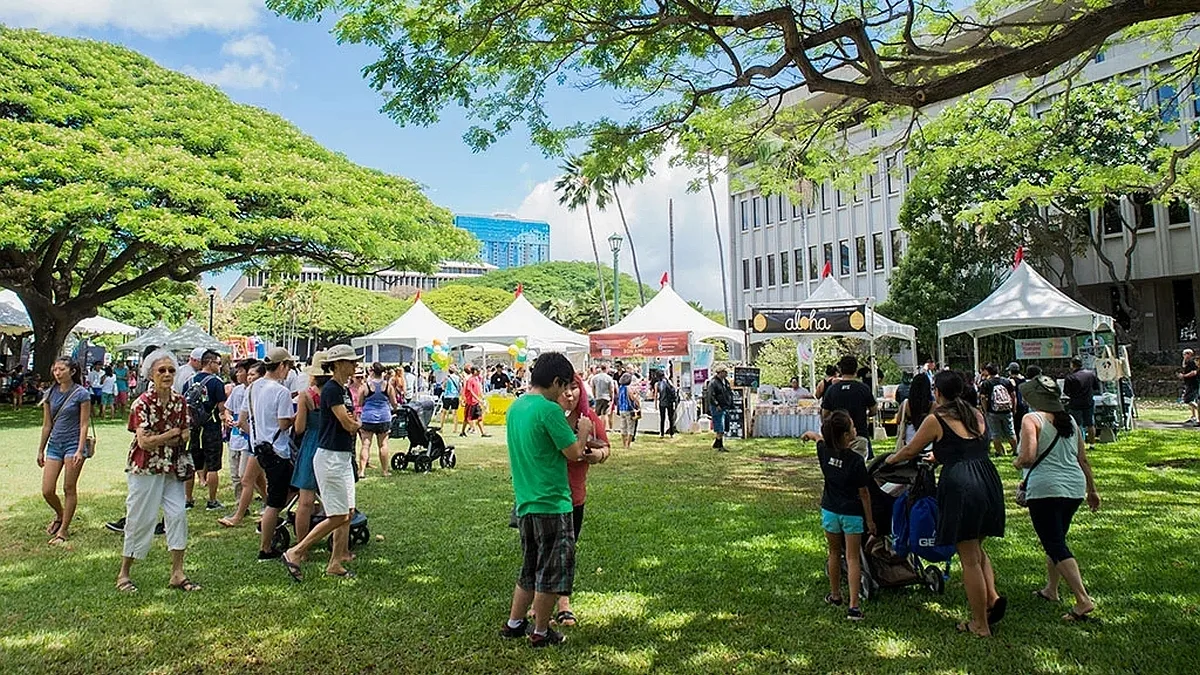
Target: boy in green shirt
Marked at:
540, 442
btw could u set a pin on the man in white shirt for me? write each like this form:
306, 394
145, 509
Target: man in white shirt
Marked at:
266, 417
602, 388
187, 372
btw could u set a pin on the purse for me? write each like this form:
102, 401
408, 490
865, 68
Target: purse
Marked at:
264, 451
89, 443
1022, 493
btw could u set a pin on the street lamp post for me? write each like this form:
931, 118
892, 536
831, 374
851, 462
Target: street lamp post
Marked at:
614, 243
212, 304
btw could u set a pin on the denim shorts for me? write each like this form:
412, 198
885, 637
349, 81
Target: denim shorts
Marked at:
836, 523
718, 420
60, 453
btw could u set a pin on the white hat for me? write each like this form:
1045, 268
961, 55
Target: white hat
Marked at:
341, 353
198, 353
314, 369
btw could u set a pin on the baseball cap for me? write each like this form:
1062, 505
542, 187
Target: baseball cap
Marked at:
277, 355
198, 353
341, 353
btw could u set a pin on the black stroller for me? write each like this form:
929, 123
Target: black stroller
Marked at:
360, 534
425, 444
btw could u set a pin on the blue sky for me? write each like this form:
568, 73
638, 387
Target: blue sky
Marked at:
299, 72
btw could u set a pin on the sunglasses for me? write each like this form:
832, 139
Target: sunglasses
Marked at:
166, 369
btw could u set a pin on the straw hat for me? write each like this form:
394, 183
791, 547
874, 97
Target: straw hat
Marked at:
314, 369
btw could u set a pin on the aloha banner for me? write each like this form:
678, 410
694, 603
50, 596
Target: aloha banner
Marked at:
845, 319
630, 345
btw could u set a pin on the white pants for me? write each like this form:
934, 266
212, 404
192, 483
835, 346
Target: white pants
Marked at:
335, 481
238, 458
146, 495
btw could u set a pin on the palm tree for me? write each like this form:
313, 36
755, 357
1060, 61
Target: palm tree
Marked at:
576, 189
710, 178
630, 170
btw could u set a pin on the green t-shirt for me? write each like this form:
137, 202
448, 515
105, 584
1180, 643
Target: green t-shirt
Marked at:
538, 432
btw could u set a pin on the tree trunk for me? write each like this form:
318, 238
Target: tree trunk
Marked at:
599, 272
637, 272
51, 326
720, 245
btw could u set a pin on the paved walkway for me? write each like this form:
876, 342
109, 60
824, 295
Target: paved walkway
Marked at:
1161, 426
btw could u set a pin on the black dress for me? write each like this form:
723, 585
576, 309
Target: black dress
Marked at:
970, 495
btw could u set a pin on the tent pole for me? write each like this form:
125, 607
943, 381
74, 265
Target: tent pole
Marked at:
941, 351
975, 339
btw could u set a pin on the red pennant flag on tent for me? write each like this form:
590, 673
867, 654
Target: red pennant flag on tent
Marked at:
1018, 256
827, 270
418, 294
520, 290
663, 281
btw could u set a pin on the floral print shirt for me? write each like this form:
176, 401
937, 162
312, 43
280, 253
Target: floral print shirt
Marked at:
150, 413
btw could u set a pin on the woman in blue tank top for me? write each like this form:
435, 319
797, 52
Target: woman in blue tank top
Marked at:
379, 399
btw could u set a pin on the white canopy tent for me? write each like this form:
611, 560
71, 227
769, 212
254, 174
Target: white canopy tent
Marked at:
98, 325
153, 336
190, 336
14, 320
415, 329
522, 320
1025, 300
668, 312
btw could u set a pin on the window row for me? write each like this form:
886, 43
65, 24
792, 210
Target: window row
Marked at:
761, 270
1113, 219
759, 210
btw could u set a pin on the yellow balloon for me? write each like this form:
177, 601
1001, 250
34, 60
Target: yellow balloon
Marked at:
512, 350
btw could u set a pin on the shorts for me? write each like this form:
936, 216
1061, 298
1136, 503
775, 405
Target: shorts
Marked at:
59, 453
107, 399
474, 412
602, 406
836, 523
628, 423
1084, 417
450, 403
279, 482
718, 420
1190, 395
548, 550
97, 396
206, 446
1000, 426
376, 427
122, 397
862, 446
335, 480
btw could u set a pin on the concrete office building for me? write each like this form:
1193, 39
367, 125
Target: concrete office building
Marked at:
777, 249
505, 241
248, 287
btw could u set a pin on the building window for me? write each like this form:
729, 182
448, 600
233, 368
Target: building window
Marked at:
758, 272
860, 254
784, 268
893, 183
897, 247
857, 194
877, 251
745, 273
844, 257
1185, 309
1143, 210
814, 270
1168, 103
810, 204
1196, 99
1178, 212
798, 254
782, 206
795, 211
873, 183
770, 211
745, 215
825, 204
770, 270
756, 209
1110, 216
828, 258
841, 197
1100, 56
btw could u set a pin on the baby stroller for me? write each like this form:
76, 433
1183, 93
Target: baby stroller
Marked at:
907, 498
425, 444
360, 534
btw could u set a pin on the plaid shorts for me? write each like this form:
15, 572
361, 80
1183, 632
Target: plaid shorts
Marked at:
548, 546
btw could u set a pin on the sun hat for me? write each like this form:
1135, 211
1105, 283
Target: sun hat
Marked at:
314, 368
1014, 367
341, 353
198, 353
277, 355
1042, 394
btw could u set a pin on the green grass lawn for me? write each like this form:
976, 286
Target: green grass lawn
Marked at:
689, 562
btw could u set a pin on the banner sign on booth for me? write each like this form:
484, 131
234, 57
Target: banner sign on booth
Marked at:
845, 319
1042, 348
627, 345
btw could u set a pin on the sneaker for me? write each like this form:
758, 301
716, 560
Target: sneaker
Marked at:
189, 503
116, 525
273, 554
552, 637
213, 505
855, 614
509, 633
160, 529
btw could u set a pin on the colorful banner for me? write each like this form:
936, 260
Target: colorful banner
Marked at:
1042, 348
628, 345
846, 319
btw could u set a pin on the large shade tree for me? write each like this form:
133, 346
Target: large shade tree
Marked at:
117, 174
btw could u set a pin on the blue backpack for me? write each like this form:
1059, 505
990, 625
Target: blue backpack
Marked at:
915, 529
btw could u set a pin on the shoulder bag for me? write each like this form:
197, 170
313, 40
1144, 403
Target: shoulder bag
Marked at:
1022, 493
264, 451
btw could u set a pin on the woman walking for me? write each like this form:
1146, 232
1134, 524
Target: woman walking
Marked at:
378, 399
1057, 479
970, 496
66, 415
158, 467
108, 393
915, 408
306, 430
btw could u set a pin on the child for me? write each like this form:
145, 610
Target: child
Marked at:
845, 505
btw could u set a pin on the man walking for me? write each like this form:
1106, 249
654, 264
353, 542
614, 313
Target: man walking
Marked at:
602, 390
540, 443
718, 398
997, 397
472, 399
267, 417
1191, 386
187, 371
851, 395
205, 397
1079, 387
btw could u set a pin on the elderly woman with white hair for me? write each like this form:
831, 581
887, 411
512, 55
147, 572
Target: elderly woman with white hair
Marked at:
158, 469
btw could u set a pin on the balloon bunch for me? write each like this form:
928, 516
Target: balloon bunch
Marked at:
518, 351
438, 355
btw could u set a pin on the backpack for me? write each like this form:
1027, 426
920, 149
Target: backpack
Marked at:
196, 397
915, 529
668, 396
1001, 400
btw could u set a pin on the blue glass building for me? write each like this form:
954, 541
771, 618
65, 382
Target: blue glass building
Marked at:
506, 241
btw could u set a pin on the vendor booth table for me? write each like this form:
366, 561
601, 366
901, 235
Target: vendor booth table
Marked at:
781, 420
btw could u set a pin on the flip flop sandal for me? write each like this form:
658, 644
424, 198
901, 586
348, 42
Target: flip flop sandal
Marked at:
57, 540
292, 568
565, 618
965, 627
830, 600
345, 574
997, 610
127, 587
187, 586
1039, 594
54, 526
1072, 617
225, 522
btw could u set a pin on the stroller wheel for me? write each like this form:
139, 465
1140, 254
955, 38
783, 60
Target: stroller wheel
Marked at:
934, 580
282, 539
421, 465
359, 536
451, 460
398, 461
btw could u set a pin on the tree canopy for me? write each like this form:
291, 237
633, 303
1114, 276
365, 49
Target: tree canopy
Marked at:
116, 173
560, 280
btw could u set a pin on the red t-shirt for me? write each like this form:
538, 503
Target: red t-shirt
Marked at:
577, 471
473, 390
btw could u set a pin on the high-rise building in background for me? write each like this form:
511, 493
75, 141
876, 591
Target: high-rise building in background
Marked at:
506, 241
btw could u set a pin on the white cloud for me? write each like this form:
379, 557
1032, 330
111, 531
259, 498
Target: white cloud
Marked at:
255, 63
697, 266
153, 18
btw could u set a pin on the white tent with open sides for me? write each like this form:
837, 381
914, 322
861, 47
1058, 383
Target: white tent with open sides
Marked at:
1025, 300
415, 329
668, 312
522, 320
